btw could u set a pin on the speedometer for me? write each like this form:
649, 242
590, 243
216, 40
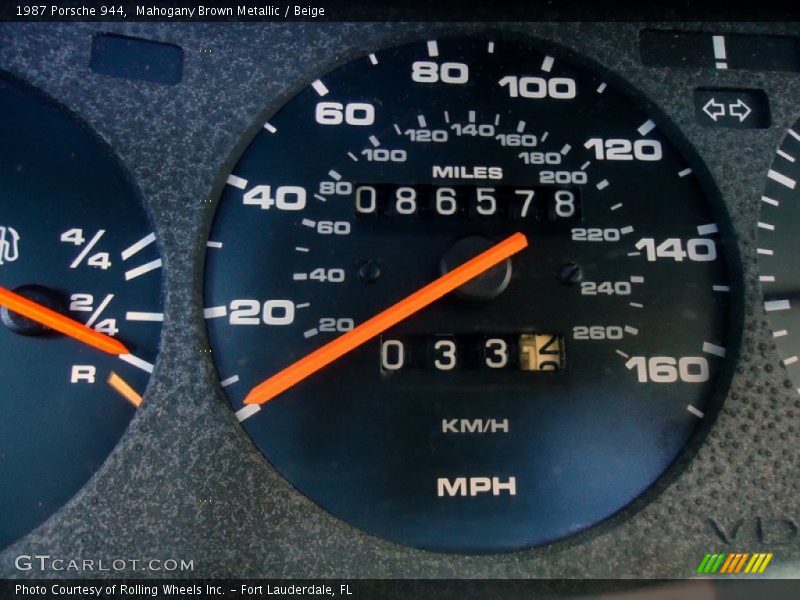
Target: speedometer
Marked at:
470, 294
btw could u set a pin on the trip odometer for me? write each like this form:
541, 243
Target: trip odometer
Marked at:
467, 295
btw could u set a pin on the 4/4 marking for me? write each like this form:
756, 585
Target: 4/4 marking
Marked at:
138, 246
86, 249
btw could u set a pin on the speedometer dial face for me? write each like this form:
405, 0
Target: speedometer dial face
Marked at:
778, 246
539, 397
80, 306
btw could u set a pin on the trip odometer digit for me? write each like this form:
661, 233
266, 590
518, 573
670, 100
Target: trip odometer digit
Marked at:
467, 294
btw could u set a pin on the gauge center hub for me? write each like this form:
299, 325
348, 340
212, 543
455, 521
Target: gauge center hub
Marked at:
47, 297
486, 286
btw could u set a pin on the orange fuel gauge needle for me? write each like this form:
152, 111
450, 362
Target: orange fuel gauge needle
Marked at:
320, 358
69, 327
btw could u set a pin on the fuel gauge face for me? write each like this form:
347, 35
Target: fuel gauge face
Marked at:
80, 306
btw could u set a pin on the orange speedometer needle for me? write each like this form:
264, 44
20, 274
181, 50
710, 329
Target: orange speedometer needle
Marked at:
320, 358
58, 322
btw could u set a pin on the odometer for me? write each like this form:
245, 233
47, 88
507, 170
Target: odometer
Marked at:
515, 407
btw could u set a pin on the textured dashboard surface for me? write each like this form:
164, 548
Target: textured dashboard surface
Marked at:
186, 482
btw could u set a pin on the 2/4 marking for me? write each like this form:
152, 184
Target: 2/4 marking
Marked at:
144, 316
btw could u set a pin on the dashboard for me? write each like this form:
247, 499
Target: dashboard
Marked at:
408, 300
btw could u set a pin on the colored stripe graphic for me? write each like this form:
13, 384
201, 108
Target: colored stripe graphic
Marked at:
741, 562
715, 567
729, 564
732, 558
758, 563
702, 567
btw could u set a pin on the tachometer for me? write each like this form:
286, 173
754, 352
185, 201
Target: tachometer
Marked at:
778, 246
469, 294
